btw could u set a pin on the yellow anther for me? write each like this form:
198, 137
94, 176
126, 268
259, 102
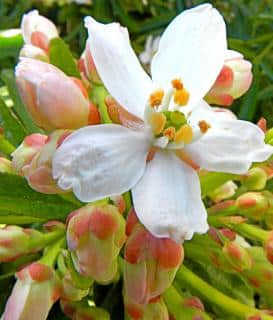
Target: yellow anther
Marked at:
177, 84
157, 121
156, 98
204, 126
169, 133
181, 97
184, 134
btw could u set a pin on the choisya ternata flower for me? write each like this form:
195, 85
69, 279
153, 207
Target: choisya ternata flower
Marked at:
183, 131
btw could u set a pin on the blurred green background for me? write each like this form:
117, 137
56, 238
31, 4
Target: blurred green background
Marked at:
249, 24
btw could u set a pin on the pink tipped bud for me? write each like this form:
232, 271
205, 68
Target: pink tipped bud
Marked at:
154, 310
54, 100
268, 246
23, 155
95, 235
150, 264
119, 202
36, 290
194, 302
38, 171
16, 241
255, 179
233, 81
6, 166
87, 66
253, 204
237, 256
30, 51
227, 190
38, 30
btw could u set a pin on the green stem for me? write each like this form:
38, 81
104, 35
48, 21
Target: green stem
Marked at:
250, 231
19, 220
98, 94
46, 239
52, 252
187, 278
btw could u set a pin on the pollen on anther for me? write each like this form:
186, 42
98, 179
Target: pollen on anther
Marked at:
184, 134
157, 121
204, 126
169, 133
181, 97
156, 98
177, 84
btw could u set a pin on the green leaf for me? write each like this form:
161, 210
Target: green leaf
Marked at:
8, 77
17, 198
213, 180
11, 42
13, 130
61, 57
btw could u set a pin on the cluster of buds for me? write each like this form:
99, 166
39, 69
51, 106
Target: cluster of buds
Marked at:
150, 263
95, 236
36, 290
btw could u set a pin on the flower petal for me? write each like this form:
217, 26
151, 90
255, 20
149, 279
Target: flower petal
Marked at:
118, 65
100, 161
167, 199
230, 145
192, 48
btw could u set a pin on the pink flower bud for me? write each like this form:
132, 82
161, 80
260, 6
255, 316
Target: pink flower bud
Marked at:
38, 30
150, 264
233, 81
23, 155
54, 100
30, 51
95, 235
237, 256
16, 241
38, 171
226, 191
268, 246
87, 67
36, 290
253, 204
155, 310
5, 166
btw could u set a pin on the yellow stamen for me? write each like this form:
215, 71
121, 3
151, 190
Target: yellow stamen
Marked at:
177, 84
184, 134
169, 133
181, 97
156, 98
204, 126
157, 121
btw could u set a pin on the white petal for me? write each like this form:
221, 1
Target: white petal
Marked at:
100, 161
118, 65
167, 199
192, 48
230, 145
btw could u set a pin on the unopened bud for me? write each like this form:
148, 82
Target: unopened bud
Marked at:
16, 241
54, 100
253, 204
23, 155
5, 166
237, 256
95, 235
36, 290
233, 81
227, 190
150, 264
29, 51
38, 30
39, 171
255, 179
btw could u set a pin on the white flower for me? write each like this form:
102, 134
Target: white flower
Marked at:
105, 160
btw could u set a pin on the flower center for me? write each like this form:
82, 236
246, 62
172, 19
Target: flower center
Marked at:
170, 126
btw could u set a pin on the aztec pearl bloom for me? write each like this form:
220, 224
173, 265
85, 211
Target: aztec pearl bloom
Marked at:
179, 131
